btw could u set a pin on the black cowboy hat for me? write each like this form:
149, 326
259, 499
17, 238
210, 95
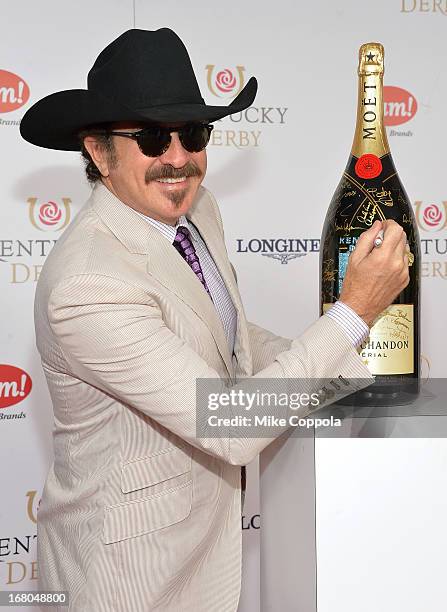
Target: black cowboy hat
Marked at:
141, 76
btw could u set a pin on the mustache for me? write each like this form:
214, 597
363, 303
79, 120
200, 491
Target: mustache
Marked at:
167, 171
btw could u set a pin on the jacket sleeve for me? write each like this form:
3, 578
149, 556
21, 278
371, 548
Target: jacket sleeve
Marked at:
265, 346
113, 336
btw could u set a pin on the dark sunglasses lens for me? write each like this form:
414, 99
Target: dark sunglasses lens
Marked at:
195, 137
154, 142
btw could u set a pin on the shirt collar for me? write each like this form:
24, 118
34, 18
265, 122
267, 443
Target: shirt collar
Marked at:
168, 231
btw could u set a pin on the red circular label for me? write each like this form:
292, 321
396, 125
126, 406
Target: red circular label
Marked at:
368, 166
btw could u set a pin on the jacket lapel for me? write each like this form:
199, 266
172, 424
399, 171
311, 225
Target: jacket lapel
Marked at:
203, 217
165, 263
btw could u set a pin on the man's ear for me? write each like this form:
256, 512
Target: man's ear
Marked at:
98, 154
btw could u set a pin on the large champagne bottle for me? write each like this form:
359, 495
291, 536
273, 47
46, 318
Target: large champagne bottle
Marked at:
370, 189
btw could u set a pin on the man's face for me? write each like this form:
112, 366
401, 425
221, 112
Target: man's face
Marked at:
146, 183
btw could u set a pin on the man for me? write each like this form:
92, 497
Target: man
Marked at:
138, 300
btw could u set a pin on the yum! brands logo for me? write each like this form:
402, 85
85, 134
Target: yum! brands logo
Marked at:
14, 92
15, 386
225, 82
399, 105
49, 215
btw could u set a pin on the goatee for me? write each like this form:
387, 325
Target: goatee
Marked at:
177, 197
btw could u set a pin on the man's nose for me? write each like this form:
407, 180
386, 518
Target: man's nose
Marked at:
176, 155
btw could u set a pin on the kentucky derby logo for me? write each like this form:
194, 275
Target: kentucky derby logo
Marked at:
49, 216
423, 6
431, 217
32, 506
226, 82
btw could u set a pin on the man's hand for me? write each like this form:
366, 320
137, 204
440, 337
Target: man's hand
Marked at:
376, 276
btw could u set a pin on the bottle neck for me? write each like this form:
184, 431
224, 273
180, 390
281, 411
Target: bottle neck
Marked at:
370, 134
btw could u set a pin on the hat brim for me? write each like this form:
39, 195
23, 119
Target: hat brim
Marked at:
55, 121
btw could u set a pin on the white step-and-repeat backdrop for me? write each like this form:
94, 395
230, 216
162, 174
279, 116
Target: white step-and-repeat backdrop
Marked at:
273, 169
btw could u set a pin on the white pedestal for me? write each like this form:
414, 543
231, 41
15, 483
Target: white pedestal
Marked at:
358, 521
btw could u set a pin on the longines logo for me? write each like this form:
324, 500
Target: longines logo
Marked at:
251, 522
424, 6
279, 249
18, 554
49, 216
227, 82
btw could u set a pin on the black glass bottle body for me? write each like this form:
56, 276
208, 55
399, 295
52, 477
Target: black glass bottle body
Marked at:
356, 204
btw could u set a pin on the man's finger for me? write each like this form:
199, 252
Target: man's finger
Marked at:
365, 243
393, 234
402, 246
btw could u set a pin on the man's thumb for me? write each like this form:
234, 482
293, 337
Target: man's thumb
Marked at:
365, 243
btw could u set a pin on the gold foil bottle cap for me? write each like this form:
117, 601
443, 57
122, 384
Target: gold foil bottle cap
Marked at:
371, 58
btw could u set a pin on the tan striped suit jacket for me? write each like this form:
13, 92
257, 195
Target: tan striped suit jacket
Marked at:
137, 514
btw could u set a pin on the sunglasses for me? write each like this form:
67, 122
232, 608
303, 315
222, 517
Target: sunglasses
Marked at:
154, 141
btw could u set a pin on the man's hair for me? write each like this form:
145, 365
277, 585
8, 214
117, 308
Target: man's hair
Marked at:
105, 140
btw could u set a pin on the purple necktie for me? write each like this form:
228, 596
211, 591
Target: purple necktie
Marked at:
185, 247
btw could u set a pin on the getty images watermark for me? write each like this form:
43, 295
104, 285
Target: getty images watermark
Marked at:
243, 400
264, 408
260, 408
